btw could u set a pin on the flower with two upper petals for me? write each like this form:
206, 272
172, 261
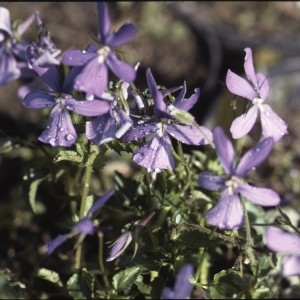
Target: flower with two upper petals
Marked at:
255, 89
60, 130
228, 212
83, 227
93, 78
288, 244
156, 154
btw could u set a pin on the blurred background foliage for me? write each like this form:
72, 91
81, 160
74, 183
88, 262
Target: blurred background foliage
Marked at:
196, 42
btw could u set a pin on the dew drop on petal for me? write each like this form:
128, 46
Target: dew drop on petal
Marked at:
52, 141
157, 170
70, 137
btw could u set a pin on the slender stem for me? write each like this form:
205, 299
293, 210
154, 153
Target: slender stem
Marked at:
101, 264
203, 255
249, 242
92, 154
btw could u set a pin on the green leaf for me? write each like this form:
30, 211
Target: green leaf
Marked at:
37, 208
145, 289
228, 283
69, 155
125, 279
49, 275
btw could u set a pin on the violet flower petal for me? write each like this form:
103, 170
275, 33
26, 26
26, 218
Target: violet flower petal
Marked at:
180, 98
101, 130
5, 23
87, 108
211, 182
244, 123
85, 226
124, 34
56, 242
120, 245
291, 265
187, 104
139, 131
104, 26
263, 85
38, 100
100, 202
282, 241
272, 124
60, 130
258, 195
160, 108
224, 149
182, 287
120, 68
254, 156
189, 134
93, 79
22, 27
9, 69
239, 86
155, 155
227, 213
76, 57
50, 73
249, 68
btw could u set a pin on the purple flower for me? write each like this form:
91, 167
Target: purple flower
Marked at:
95, 63
288, 244
13, 59
82, 228
228, 212
110, 124
156, 154
182, 288
60, 130
255, 89
120, 245
44, 50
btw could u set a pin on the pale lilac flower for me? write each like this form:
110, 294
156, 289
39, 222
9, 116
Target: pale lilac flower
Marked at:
120, 245
83, 227
255, 89
156, 154
228, 212
13, 59
93, 78
183, 287
288, 244
60, 130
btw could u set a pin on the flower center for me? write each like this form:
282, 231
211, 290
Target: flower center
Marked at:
259, 102
102, 54
232, 184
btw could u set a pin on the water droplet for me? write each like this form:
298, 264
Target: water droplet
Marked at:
157, 170
52, 142
138, 157
70, 137
61, 129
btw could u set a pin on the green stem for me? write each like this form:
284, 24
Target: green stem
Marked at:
249, 242
101, 264
203, 255
93, 152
